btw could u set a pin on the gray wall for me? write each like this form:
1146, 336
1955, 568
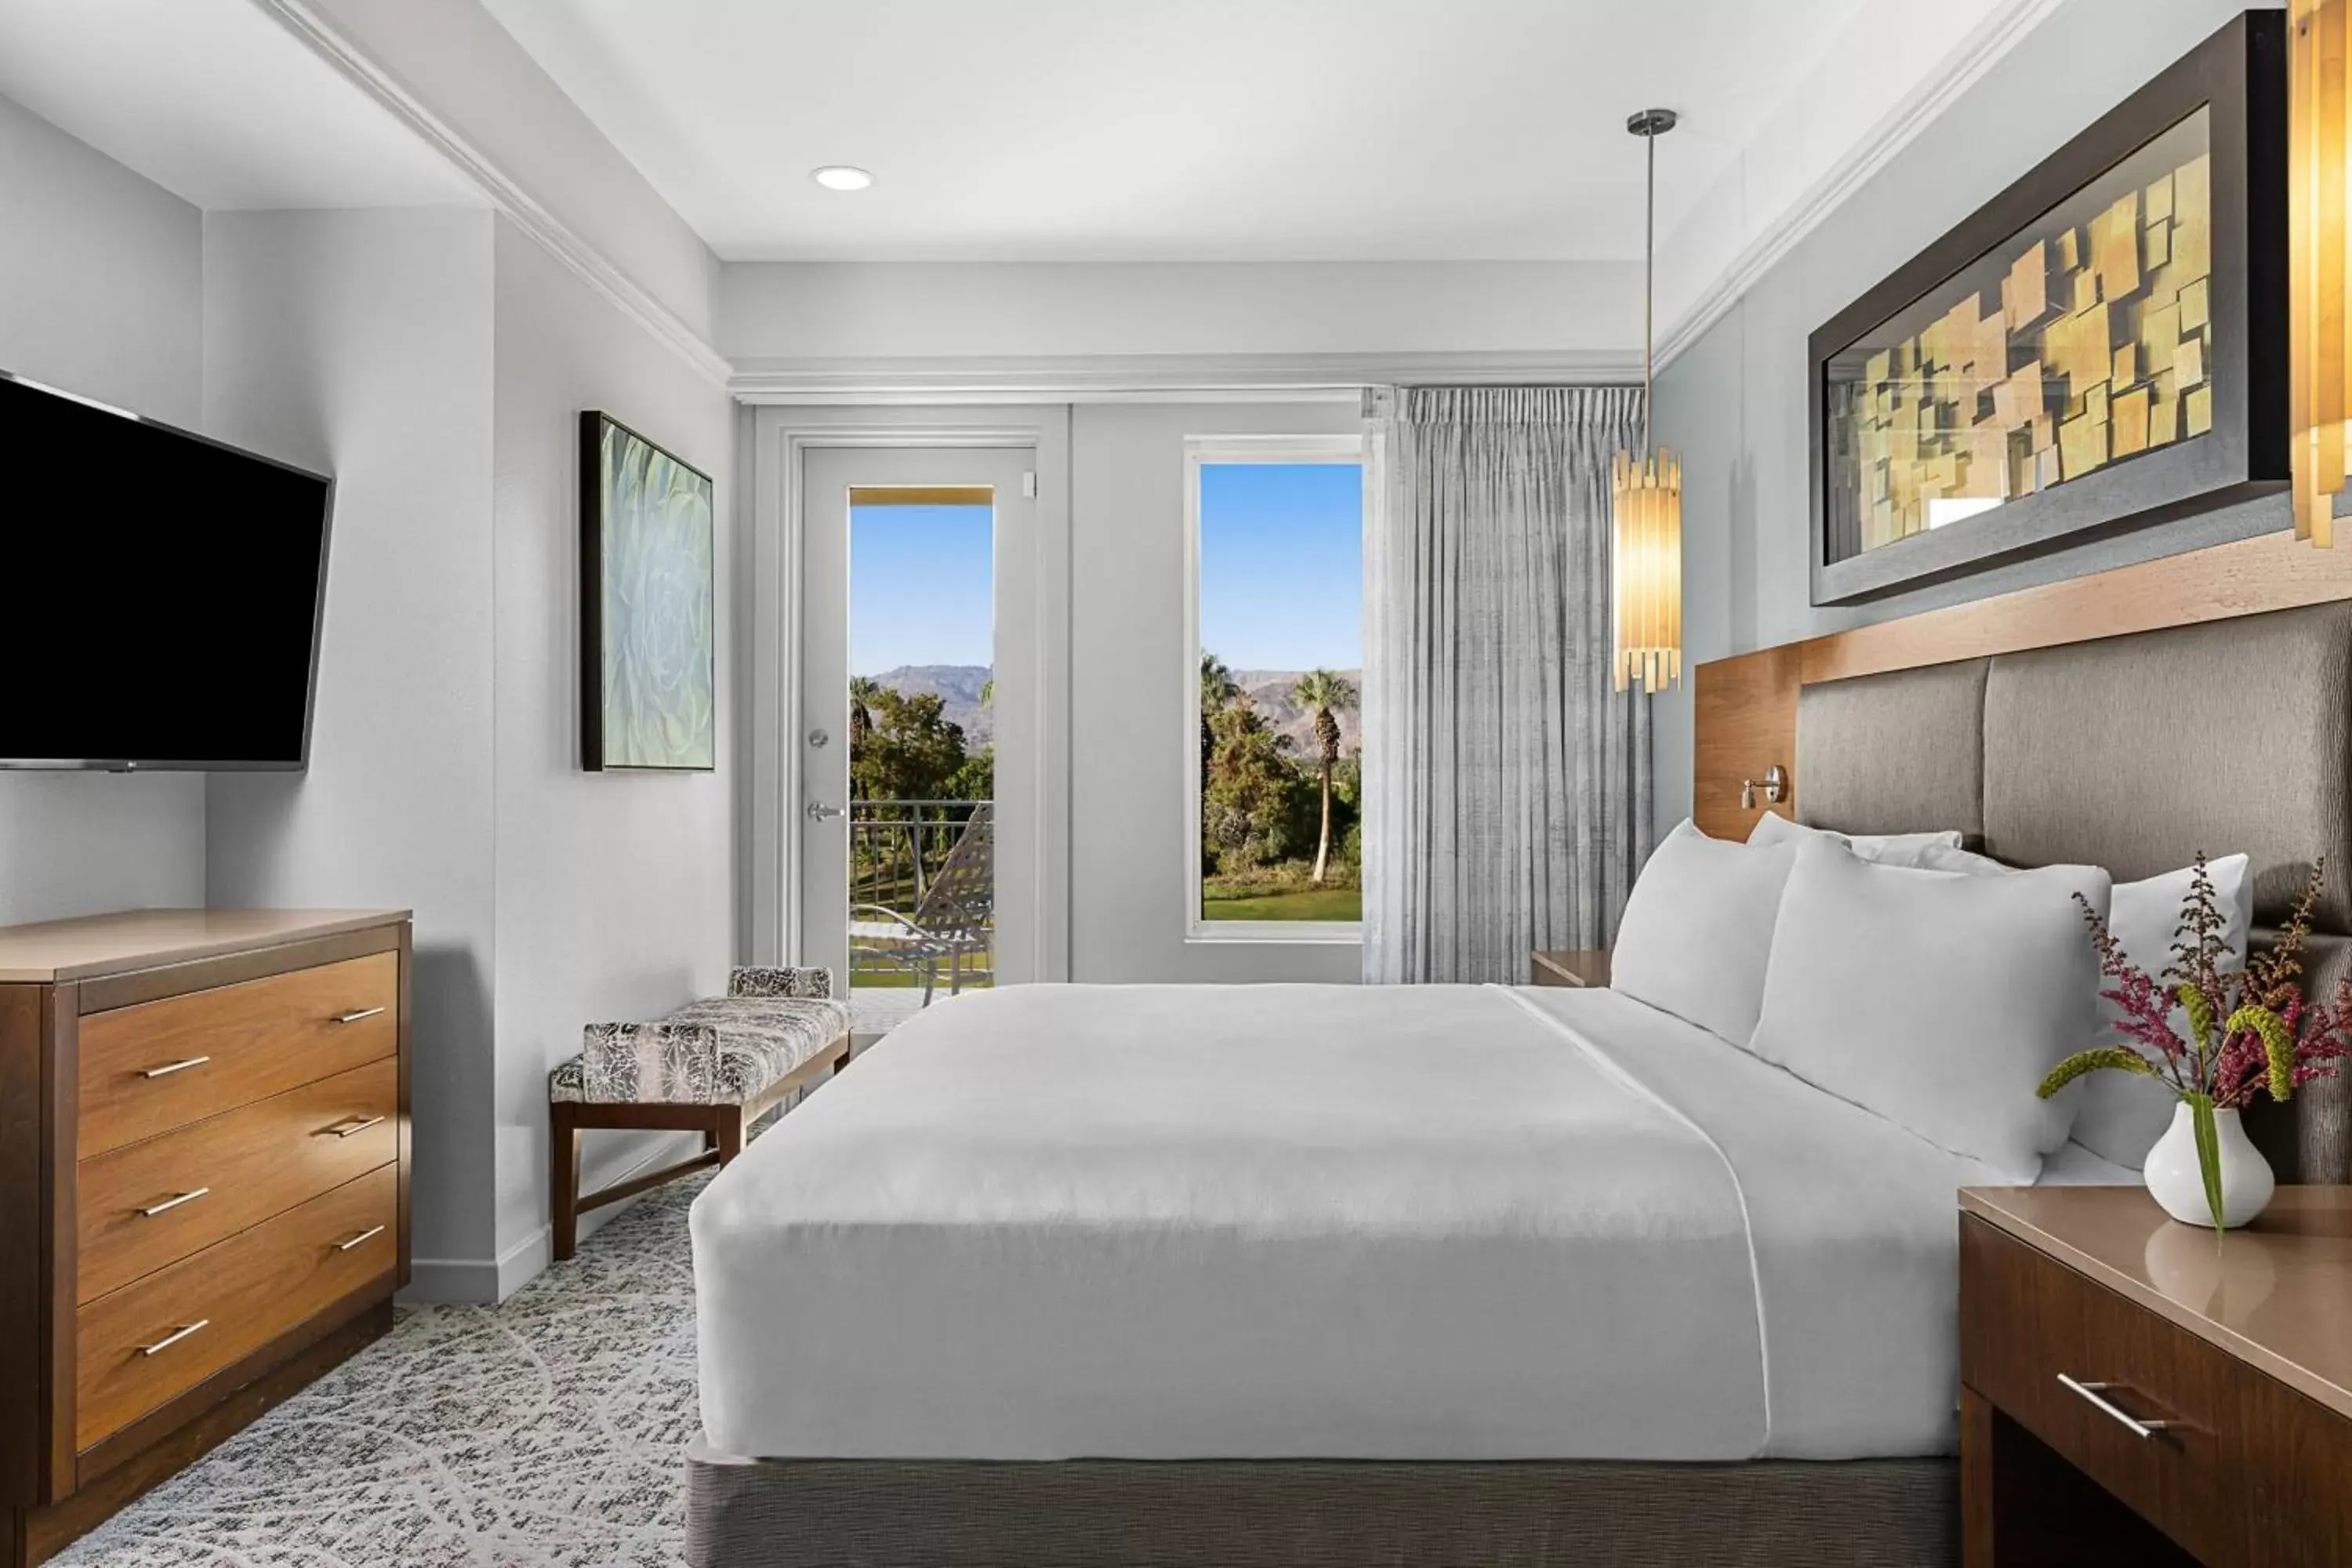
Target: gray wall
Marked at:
1734, 404
615, 892
359, 344
435, 361
1129, 646
101, 293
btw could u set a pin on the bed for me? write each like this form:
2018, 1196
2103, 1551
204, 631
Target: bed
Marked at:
1468, 1275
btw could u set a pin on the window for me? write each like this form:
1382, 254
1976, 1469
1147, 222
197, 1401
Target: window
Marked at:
1275, 686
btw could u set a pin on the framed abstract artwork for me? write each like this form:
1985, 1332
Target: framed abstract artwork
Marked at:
2100, 347
649, 638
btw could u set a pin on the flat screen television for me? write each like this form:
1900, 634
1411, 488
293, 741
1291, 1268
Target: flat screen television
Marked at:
164, 593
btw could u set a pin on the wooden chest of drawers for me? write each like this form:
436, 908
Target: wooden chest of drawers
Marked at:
204, 1181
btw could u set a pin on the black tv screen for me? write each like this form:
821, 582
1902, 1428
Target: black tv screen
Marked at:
164, 592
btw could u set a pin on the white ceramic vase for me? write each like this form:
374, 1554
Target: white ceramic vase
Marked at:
2179, 1186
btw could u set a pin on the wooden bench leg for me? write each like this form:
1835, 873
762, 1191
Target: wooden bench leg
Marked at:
728, 1126
563, 1173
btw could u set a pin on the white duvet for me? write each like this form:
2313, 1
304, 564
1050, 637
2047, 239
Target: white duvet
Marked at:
1257, 1222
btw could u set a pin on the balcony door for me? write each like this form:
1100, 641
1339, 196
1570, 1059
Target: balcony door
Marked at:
905, 709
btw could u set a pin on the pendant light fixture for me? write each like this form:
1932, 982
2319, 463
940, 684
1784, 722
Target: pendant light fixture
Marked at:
1646, 563
2319, 264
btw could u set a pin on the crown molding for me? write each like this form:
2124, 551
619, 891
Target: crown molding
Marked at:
558, 239
1115, 378
1902, 125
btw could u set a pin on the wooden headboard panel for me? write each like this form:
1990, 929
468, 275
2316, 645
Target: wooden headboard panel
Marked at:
1743, 708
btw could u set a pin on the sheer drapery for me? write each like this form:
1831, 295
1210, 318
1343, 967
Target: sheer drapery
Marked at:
1507, 787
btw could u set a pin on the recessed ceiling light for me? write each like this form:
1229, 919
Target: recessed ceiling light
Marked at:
841, 177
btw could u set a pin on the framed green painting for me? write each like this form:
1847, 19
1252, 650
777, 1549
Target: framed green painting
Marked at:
648, 602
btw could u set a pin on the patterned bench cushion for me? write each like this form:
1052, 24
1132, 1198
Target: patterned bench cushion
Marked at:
718, 1051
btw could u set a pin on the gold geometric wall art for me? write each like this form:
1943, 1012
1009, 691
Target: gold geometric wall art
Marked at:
2078, 336
2053, 366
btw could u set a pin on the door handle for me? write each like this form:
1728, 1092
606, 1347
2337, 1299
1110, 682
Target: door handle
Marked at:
818, 813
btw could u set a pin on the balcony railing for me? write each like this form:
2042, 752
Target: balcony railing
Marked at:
897, 848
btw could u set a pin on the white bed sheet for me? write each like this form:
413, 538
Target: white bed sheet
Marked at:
1177, 1222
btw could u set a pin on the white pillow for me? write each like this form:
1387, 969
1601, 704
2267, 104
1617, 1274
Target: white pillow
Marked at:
1888, 849
1936, 1000
1939, 857
1697, 930
2122, 1114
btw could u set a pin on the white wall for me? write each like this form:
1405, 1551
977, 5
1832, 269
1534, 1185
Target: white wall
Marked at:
1734, 404
101, 292
359, 344
456, 58
616, 892
1130, 652
999, 311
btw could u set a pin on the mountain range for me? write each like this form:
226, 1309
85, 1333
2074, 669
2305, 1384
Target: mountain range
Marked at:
959, 685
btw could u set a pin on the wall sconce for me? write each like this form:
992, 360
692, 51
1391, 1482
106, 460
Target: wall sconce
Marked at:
1775, 784
2319, 266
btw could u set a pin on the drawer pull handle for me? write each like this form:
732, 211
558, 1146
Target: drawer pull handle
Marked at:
175, 1336
355, 1126
2096, 1394
168, 1205
168, 1069
368, 1234
354, 1018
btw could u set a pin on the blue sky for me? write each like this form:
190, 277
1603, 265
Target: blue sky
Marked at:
1282, 572
1282, 564
920, 586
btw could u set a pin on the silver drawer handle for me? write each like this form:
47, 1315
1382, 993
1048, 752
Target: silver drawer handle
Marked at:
168, 1069
2096, 1394
354, 1018
151, 1210
175, 1336
348, 1128
363, 1235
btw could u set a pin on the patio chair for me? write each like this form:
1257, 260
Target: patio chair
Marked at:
950, 923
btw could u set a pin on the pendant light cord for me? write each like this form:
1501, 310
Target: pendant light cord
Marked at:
1648, 279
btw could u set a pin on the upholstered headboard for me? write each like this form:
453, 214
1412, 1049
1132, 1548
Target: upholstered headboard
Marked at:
2133, 753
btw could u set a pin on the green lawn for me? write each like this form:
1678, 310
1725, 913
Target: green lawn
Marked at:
1306, 904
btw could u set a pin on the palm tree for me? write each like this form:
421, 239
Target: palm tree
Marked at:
1329, 695
1217, 689
863, 689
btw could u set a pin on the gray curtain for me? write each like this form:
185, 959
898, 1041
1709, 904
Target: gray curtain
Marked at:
1507, 800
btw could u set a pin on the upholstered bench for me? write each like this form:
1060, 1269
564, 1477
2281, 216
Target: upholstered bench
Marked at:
713, 1067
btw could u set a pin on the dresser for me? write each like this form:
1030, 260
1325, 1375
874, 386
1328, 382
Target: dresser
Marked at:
2135, 1391
203, 1186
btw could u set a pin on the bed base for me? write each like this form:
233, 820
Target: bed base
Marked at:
874, 1513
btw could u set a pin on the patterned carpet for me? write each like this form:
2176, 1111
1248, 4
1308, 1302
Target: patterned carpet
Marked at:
549, 1430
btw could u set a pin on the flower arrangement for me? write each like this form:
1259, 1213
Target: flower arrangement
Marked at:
2249, 1031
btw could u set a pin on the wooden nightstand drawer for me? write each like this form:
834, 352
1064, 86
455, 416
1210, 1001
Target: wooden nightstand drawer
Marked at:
152, 1202
2231, 1463
148, 1069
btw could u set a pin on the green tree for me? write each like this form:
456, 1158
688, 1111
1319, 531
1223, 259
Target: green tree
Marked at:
910, 752
1217, 689
1245, 801
1329, 695
862, 688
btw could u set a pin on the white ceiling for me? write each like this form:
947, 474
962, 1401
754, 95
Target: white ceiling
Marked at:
1175, 130
217, 102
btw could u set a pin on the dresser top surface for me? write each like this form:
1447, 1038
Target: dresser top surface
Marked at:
97, 945
2277, 1293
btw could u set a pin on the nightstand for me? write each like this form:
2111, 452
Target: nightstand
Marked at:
1569, 966
2138, 1391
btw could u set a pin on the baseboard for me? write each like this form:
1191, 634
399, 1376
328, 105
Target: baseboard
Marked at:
485, 1281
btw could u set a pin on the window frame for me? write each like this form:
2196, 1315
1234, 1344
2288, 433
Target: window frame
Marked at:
1204, 451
